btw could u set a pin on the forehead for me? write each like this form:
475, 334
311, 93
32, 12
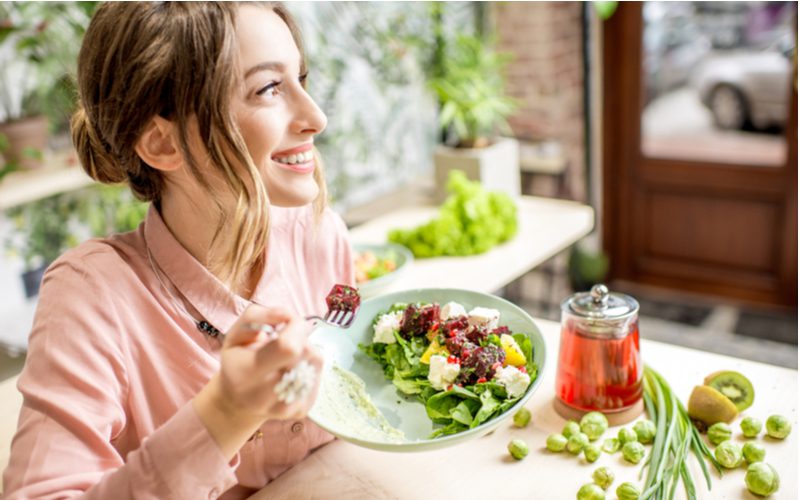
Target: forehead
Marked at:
263, 36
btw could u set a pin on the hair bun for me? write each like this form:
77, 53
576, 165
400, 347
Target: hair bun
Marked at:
93, 151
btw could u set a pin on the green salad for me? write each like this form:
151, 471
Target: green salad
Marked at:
463, 366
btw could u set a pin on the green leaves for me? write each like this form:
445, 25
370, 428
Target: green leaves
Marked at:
471, 90
471, 221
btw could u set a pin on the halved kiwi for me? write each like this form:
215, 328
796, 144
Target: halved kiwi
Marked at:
734, 386
709, 406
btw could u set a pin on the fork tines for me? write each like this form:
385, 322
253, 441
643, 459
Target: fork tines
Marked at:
340, 317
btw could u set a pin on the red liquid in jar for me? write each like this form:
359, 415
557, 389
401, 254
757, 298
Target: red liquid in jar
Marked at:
597, 372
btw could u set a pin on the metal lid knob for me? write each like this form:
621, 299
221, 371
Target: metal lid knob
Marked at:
599, 295
600, 303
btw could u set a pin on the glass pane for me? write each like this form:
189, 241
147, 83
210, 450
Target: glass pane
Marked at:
716, 80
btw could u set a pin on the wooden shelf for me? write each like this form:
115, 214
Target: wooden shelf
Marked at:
60, 173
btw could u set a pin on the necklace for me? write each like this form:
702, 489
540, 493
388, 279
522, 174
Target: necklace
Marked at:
202, 325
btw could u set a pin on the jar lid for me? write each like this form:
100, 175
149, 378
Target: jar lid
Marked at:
599, 303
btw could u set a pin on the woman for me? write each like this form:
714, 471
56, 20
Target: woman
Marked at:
130, 387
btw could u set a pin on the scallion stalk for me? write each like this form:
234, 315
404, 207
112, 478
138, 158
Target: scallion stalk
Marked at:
666, 463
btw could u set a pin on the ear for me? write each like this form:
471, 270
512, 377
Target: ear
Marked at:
158, 145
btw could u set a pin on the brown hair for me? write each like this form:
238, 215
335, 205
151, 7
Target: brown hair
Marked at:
176, 60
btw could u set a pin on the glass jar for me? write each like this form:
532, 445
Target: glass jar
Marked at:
599, 362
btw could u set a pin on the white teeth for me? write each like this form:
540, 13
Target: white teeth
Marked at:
296, 158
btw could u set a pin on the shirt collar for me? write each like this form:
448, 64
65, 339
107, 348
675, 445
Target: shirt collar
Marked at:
206, 293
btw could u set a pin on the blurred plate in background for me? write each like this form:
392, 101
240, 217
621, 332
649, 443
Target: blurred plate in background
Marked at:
379, 265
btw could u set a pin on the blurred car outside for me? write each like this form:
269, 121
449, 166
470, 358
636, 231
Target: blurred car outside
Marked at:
747, 87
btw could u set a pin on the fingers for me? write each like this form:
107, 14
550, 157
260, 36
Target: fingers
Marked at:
287, 348
246, 330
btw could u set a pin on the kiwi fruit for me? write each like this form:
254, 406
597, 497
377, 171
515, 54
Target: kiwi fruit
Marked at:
710, 406
734, 386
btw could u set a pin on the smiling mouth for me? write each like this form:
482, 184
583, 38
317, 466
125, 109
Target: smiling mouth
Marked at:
298, 162
295, 159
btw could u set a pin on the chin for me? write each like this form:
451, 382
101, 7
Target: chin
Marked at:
293, 196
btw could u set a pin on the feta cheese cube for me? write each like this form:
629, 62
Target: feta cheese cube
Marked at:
386, 326
451, 310
483, 316
515, 382
442, 373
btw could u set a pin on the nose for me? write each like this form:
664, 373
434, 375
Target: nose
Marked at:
309, 118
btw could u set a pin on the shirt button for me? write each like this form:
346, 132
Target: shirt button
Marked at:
213, 494
297, 427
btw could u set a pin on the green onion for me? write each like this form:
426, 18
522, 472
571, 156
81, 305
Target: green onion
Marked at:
666, 464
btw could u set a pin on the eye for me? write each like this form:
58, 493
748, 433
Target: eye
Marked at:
270, 90
302, 79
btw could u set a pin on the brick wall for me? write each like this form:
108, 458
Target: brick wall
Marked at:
547, 76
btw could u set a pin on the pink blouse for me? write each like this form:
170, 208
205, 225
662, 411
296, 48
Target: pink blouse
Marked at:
114, 362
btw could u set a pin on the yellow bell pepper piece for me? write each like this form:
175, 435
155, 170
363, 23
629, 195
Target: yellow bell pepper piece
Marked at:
514, 356
433, 348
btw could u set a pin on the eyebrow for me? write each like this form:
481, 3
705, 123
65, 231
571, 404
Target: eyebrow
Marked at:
268, 65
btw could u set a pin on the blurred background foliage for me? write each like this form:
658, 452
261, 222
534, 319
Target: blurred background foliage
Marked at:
370, 64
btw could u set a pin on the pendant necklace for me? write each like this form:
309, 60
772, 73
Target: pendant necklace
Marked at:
202, 325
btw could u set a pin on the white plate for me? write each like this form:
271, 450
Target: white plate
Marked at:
408, 414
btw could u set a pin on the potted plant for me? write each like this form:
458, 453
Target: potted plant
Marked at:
470, 87
42, 231
39, 42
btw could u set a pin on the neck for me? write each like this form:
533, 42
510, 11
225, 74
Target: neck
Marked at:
193, 224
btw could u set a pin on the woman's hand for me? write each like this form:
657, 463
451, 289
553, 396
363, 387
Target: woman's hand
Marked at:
253, 363
241, 396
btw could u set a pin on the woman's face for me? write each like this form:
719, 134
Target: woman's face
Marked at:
277, 118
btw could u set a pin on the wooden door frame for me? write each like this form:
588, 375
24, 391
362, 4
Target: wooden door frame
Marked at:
623, 101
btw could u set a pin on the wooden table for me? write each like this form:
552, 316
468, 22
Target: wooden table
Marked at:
546, 227
482, 469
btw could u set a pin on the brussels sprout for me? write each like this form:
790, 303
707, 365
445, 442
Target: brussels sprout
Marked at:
751, 426
626, 435
719, 432
611, 445
594, 424
729, 454
522, 417
633, 452
591, 491
603, 477
778, 426
645, 431
570, 428
753, 452
518, 449
761, 479
577, 442
592, 452
556, 442
628, 491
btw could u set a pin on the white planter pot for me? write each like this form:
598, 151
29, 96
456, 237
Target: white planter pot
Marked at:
495, 166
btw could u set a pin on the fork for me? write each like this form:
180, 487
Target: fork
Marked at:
343, 304
339, 318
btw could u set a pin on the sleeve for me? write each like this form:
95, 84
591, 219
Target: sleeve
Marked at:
74, 388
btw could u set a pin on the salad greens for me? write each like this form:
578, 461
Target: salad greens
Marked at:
471, 221
479, 391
